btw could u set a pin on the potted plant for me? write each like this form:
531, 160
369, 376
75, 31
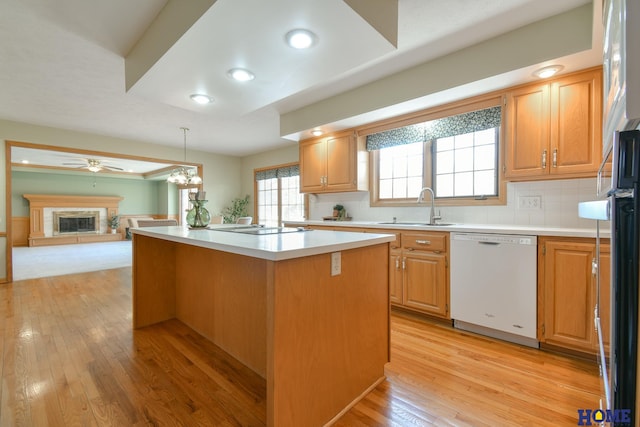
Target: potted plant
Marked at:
337, 210
235, 210
114, 223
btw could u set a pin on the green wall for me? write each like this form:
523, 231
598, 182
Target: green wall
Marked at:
140, 197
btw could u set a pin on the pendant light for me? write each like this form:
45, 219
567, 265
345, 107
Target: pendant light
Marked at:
182, 175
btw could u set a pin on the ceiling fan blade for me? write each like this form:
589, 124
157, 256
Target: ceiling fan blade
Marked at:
113, 168
75, 164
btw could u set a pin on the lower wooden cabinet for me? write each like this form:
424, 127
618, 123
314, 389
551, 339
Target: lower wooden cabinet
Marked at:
425, 283
568, 293
420, 277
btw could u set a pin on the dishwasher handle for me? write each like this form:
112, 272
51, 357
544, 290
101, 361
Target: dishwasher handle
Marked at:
489, 243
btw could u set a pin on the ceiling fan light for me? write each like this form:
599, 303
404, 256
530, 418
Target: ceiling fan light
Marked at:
300, 38
94, 168
241, 74
195, 180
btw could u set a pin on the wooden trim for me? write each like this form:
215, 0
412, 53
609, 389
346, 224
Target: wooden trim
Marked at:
8, 211
57, 200
74, 239
97, 153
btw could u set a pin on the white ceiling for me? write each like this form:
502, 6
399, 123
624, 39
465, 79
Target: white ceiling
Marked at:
63, 62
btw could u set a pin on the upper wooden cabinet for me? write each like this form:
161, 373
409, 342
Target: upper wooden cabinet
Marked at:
554, 129
333, 164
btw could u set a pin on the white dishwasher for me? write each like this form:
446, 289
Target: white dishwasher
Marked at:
493, 285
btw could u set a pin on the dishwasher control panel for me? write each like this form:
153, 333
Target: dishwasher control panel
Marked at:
511, 239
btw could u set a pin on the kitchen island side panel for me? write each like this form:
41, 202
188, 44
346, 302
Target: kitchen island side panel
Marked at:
329, 340
154, 297
222, 296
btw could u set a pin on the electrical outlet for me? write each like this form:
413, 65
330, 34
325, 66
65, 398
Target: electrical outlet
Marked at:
530, 202
336, 263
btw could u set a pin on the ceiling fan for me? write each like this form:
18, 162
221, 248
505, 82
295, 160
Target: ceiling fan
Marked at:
94, 165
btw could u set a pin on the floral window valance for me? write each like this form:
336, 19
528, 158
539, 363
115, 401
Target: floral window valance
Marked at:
441, 128
281, 172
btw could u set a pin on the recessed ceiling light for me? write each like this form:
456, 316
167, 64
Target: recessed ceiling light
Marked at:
300, 38
316, 132
549, 71
241, 74
201, 98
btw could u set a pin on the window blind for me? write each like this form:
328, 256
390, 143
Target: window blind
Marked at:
280, 172
440, 128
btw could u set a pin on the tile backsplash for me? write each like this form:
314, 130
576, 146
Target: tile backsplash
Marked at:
552, 203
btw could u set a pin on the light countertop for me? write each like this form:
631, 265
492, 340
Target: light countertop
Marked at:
467, 228
274, 247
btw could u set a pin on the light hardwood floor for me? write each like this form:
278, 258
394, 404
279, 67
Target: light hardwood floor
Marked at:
71, 358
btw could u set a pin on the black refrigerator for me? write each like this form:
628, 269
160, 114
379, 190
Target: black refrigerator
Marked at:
625, 236
619, 204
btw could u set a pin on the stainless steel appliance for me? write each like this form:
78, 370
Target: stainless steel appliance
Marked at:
618, 187
493, 285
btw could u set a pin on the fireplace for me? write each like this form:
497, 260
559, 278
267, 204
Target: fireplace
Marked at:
76, 222
56, 219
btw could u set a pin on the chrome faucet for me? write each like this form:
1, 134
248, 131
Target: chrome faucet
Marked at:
432, 213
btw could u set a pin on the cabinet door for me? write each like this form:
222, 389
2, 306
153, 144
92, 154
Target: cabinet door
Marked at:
569, 295
604, 269
526, 149
425, 283
395, 277
576, 124
313, 165
341, 163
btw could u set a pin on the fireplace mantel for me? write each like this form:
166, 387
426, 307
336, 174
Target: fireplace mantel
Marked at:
39, 202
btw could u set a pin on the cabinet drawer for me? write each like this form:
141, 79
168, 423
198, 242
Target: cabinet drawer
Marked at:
425, 241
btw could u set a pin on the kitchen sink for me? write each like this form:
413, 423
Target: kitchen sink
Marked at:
421, 224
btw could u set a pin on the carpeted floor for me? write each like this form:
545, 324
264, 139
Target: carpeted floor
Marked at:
44, 261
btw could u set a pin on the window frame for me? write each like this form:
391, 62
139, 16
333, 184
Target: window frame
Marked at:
255, 192
452, 109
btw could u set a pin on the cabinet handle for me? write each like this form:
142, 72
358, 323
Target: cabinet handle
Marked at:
544, 159
397, 263
404, 263
423, 242
554, 162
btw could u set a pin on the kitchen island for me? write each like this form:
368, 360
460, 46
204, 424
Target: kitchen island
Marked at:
306, 310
